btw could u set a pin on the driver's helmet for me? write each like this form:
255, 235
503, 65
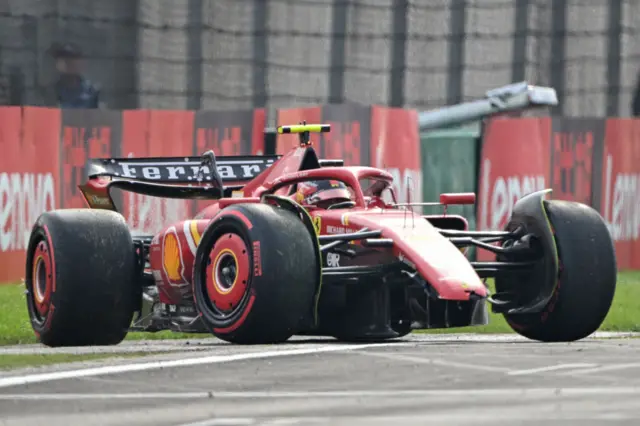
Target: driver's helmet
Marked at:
322, 193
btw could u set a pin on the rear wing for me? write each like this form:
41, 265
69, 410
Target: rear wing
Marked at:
203, 177
180, 170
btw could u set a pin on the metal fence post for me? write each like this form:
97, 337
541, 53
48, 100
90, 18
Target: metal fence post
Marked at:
614, 51
260, 49
558, 59
134, 100
398, 53
194, 55
520, 40
455, 72
338, 47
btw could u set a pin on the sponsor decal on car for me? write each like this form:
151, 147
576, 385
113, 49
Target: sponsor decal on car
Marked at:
257, 259
177, 309
317, 224
97, 200
333, 260
172, 262
339, 230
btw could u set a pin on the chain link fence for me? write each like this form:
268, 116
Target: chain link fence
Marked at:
238, 54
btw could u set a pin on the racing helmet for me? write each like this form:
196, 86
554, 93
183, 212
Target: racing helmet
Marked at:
322, 193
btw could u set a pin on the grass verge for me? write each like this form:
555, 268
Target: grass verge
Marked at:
10, 362
15, 328
623, 316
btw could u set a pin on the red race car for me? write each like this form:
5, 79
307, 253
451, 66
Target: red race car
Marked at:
296, 245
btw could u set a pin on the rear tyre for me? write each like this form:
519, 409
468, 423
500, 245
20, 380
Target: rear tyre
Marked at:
256, 275
586, 282
79, 278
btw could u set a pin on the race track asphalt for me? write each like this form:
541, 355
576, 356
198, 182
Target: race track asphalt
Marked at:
422, 379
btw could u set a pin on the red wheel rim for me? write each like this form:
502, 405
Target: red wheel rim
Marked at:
41, 278
228, 272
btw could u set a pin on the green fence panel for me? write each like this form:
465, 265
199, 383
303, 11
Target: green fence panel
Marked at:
449, 164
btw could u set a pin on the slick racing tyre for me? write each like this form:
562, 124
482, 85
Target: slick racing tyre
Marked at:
79, 278
255, 274
586, 279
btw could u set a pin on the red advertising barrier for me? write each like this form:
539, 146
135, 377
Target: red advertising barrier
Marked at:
575, 143
350, 134
44, 152
620, 189
515, 161
157, 134
395, 146
29, 174
594, 161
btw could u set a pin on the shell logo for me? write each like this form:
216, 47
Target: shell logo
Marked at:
171, 257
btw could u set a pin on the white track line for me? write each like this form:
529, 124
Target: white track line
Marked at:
241, 421
548, 368
549, 392
437, 418
206, 343
142, 366
415, 359
603, 368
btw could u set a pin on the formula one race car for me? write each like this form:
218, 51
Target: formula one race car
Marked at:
304, 246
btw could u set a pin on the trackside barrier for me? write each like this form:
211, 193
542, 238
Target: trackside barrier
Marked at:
591, 160
597, 161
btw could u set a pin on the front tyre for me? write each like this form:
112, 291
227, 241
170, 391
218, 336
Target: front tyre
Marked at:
256, 274
586, 278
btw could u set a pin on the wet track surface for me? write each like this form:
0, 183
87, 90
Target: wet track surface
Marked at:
423, 379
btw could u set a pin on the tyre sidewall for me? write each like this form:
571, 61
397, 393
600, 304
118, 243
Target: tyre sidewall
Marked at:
217, 228
40, 232
262, 295
578, 305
